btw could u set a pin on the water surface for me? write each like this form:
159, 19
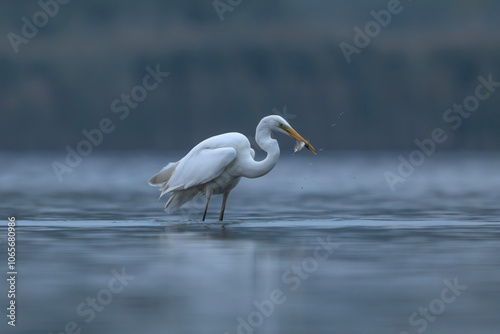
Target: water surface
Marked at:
325, 234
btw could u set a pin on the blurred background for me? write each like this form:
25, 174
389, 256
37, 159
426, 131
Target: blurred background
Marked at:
92, 64
231, 65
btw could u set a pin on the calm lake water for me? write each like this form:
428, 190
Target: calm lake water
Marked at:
319, 245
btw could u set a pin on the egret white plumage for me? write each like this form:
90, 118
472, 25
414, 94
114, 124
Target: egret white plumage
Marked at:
216, 165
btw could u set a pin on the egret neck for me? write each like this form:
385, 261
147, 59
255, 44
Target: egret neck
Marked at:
270, 146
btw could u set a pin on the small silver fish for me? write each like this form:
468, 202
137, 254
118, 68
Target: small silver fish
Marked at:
298, 146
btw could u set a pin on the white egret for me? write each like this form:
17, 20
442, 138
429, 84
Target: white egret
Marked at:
216, 165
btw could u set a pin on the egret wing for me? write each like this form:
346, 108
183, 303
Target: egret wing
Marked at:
200, 167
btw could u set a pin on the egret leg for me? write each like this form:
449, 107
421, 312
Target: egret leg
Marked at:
208, 195
223, 208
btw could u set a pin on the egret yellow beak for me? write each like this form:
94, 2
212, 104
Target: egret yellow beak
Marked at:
292, 133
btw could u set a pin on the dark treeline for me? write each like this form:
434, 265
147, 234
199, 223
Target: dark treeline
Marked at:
225, 76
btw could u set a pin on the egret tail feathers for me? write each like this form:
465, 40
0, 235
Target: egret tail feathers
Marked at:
180, 197
164, 175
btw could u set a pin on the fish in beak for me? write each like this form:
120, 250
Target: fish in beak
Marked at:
301, 142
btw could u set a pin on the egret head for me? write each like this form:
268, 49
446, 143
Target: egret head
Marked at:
279, 124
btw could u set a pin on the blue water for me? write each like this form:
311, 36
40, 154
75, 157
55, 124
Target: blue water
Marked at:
321, 245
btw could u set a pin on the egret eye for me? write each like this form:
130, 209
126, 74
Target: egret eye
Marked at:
280, 125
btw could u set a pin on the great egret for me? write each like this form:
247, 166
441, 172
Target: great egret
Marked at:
216, 165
